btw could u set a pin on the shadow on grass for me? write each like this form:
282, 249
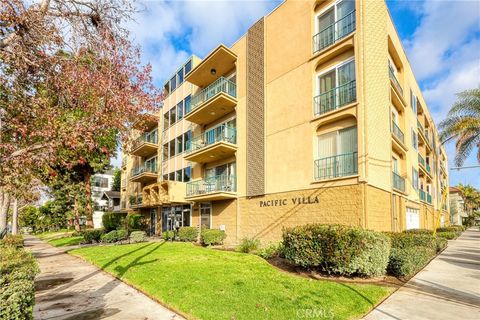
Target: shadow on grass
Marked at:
122, 270
357, 292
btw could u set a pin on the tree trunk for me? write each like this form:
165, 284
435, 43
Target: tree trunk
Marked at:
88, 195
15, 216
4, 205
77, 216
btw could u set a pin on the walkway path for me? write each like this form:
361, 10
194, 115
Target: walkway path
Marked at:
448, 288
69, 288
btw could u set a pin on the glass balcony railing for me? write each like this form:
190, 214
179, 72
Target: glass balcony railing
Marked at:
419, 126
222, 133
336, 166
423, 196
394, 79
429, 198
398, 182
334, 32
335, 98
398, 132
148, 167
220, 183
219, 85
421, 160
427, 166
148, 137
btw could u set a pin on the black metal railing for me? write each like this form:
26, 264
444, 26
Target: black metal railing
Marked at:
335, 98
334, 32
336, 166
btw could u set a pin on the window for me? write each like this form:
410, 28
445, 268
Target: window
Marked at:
414, 139
413, 102
166, 121
187, 137
188, 66
336, 87
337, 154
187, 174
171, 176
178, 175
395, 165
414, 179
171, 148
205, 214
180, 110
173, 83
165, 151
100, 182
173, 115
165, 177
151, 164
180, 144
187, 105
180, 77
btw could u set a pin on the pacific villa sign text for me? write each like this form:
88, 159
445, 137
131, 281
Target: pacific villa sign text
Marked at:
285, 201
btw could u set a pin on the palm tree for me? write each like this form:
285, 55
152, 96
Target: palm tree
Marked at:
463, 125
471, 197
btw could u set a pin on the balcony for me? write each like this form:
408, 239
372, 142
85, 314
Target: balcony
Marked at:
219, 62
123, 183
335, 98
395, 82
398, 182
146, 145
343, 165
136, 201
429, 198
124, 162
144, 174
334, 32
212, 145
213, 102
423, 165
216, 188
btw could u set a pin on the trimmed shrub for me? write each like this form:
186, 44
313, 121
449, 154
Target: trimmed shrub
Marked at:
271, 251
78, 233
188, 234
452, 229
405, 262
113, 220
337, 249
441, 243
168, 235
18, 269
212, 236
12, 240
248, 245
134, 222
419, 231
115, 236
449, 235
408, 240
138, 236
93, 235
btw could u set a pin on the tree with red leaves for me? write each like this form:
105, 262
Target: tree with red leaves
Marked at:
70, 77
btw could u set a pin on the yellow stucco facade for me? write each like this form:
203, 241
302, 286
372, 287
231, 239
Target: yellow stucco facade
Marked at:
313, 116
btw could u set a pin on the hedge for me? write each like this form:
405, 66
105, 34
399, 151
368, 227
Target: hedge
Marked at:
248, 245
168, 235
12, 240
138, 236
271, 251
188, 234
212, 236
419, 231
112, 220
409, 239
337, 249
405, 262
93, 235
115, 236
454, 228
18, 269
134, 222
449, 235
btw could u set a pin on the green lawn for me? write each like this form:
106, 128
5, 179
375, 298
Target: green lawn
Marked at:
210, 284
66, 241
48, 235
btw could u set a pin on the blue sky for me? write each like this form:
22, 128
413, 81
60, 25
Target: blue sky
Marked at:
441, 38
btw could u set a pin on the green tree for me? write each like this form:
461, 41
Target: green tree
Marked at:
117, 180
29, 217
463, 125
471, 198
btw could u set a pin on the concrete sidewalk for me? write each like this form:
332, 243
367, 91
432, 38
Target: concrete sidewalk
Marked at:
69, 288
448, 287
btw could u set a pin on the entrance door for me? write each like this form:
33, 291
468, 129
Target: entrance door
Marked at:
413, 219
153, 221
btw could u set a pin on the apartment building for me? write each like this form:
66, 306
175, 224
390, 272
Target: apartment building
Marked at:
313, 116
457, 207
101, 182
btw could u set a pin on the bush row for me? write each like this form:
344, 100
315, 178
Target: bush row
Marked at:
117, 220
190, 234
18, 269
352, 251
337, 249
100, 235
12, 240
